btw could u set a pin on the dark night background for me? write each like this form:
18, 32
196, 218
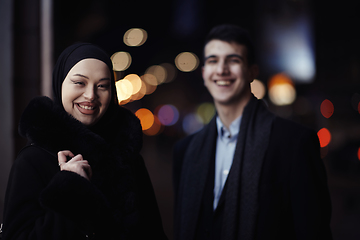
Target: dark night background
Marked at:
181, 25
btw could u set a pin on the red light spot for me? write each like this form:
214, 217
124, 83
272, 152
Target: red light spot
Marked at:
324, 137
359, 107
327, 108
358, 153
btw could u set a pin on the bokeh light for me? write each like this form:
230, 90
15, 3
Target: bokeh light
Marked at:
135, 82
168, 114
146, 118
281, 90
327, 108
324, 137
159, 72
191, 123
186, 61
258, 89
121, 61
135, 37
150, 83
358, 153
205, 112
124, 90
155, 129
170, 72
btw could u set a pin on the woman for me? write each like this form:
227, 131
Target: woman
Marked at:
81, 176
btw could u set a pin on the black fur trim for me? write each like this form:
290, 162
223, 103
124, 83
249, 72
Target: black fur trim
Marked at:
110, 147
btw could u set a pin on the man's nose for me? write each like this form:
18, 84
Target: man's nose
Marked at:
222, 68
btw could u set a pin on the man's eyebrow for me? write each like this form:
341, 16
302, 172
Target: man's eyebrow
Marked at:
227, 56
211, 56
235, 55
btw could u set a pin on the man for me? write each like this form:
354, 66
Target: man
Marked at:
248, 174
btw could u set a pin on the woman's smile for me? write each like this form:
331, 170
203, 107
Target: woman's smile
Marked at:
87, 108
86, 91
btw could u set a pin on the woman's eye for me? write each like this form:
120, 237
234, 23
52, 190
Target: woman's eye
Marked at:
103, 86
78, 82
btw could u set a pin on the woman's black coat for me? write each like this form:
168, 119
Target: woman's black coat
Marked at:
43, 202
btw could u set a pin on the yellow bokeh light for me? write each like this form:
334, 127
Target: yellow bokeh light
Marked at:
206, 111
258, 89
281, 90
149, 79
170, 72
121, 61
150, 82
124, 90
141, 93
146, 118
135, 81
159, 72
186, 61
135, 37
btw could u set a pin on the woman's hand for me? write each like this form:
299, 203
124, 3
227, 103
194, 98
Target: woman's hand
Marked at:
76, 164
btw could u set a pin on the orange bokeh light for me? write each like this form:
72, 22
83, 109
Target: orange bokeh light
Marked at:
280, 78
281, 89
327, 108
155, 129
146, 118
324, 137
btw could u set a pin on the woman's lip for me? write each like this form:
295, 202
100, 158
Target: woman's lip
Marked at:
86, 108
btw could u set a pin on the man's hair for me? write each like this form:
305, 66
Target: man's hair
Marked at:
233, 34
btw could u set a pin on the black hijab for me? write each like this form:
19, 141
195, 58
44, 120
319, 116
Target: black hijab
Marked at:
71, 56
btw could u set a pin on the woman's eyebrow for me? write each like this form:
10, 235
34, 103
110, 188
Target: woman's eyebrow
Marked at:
83, 76
80, 75
105, 79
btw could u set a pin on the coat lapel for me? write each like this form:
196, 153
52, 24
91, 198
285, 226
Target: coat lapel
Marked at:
243, 182
195, 168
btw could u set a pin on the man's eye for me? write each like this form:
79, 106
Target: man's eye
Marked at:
210, 61
234, 60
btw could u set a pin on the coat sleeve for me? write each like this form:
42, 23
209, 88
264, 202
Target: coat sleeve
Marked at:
66, 207
310, 200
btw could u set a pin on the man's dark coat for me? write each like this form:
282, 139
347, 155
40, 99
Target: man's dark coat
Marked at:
276, 188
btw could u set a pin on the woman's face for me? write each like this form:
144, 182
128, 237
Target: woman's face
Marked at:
86, 90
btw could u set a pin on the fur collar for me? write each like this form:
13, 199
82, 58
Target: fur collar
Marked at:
49, 126
111, 147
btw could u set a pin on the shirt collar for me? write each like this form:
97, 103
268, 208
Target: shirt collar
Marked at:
234, 127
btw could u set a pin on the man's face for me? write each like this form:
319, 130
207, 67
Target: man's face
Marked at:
226, 72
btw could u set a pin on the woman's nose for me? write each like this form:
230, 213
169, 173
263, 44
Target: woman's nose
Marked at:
90, 93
